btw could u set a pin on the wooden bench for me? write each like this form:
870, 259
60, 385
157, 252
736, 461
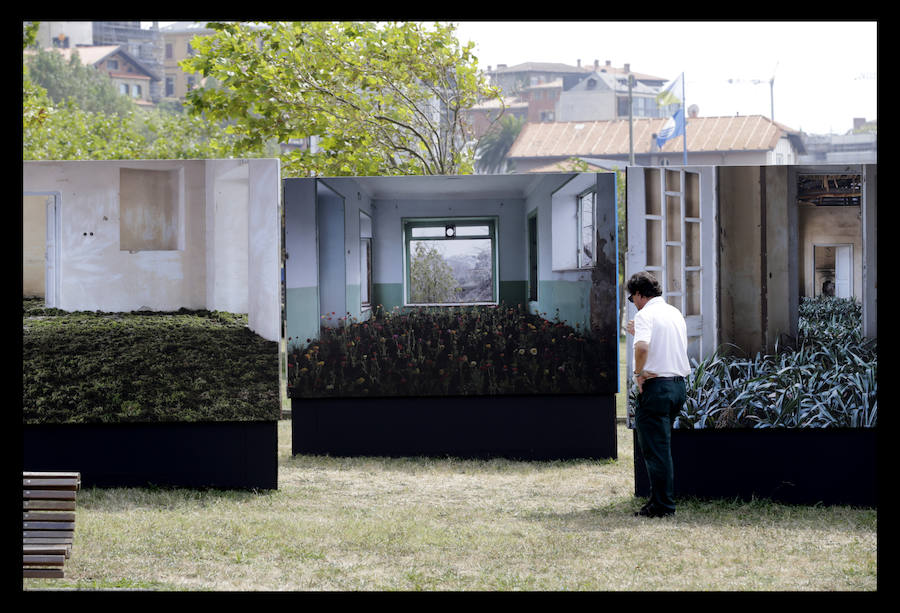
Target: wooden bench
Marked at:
48, 525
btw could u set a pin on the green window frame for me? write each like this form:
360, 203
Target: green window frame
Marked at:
435, 239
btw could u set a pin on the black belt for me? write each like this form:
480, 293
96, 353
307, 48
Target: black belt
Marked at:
663, 379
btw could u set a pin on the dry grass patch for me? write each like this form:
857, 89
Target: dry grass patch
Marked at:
449, 524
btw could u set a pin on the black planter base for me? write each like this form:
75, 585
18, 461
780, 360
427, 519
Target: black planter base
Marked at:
226, 455
832, 466
526, 427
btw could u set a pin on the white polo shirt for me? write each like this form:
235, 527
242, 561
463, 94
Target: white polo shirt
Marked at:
662, 327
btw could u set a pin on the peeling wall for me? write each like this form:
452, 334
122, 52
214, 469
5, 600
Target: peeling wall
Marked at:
829, 225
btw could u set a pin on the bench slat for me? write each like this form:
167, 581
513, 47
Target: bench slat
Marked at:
49, 494
43, 573
67, 543
47, 516
67, 484
47, 549
43, 560
57, 534
49, 505
50, 474
48, 525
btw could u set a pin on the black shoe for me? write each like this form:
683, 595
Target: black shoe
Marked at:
648, 510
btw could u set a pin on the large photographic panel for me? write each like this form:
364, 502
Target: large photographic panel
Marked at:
451, 286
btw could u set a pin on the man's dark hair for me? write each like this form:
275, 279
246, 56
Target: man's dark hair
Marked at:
644, 283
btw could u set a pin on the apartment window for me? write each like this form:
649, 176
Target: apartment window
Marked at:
168, 51
136, 91
124, 89
170, 86
190, 83
450, 260
112, 64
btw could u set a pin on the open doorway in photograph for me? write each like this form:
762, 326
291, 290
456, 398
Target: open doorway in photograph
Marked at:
40, 253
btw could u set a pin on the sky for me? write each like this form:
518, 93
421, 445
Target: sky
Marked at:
824, 71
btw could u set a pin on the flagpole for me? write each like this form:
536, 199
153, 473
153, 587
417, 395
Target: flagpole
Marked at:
684, 110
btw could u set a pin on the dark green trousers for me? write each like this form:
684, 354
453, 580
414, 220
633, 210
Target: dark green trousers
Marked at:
657, 407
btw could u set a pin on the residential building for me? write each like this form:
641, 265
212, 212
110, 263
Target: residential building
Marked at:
859, 146
482, 115
550, 92
144, 45
65, 34
176, 39
130, 76
512, 80
751, 139
605, 96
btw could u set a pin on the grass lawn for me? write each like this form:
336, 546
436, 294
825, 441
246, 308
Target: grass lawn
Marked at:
446, 524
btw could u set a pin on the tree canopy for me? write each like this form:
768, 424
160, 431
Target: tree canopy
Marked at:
380, 98
73, 112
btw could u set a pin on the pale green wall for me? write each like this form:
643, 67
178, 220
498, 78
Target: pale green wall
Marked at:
302, 313
572, 298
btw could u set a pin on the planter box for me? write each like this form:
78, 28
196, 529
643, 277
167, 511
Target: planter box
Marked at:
526, 427
226, 455
833, 466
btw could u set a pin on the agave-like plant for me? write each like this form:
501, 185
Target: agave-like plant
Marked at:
826, 377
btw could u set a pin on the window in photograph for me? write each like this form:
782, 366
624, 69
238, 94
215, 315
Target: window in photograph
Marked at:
365, 261
532, 258
587, 237
451, 261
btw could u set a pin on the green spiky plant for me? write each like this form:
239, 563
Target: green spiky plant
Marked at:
825, 378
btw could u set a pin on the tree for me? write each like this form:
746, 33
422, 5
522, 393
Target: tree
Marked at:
431, 278
381, 98
66, 80
495, 144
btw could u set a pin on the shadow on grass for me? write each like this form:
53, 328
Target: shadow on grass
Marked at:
162, 498
714, 513
447, 464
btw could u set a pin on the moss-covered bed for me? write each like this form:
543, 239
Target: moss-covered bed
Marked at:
145, 367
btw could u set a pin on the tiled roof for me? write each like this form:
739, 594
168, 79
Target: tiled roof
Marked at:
609, 138
92, 55
89, 55
567, 68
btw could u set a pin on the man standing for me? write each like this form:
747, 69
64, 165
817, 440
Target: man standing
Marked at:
660, 366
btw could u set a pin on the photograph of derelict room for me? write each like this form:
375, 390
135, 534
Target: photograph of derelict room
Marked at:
473, 285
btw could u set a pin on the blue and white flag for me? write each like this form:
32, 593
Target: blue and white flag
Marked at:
673, 128
672, 94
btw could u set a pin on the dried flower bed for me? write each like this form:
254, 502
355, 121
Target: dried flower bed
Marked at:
481, 350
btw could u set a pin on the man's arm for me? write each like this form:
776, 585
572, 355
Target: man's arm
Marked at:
641, 350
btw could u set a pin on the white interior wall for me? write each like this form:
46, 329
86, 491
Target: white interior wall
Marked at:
96, 274
227, 236
388, 240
